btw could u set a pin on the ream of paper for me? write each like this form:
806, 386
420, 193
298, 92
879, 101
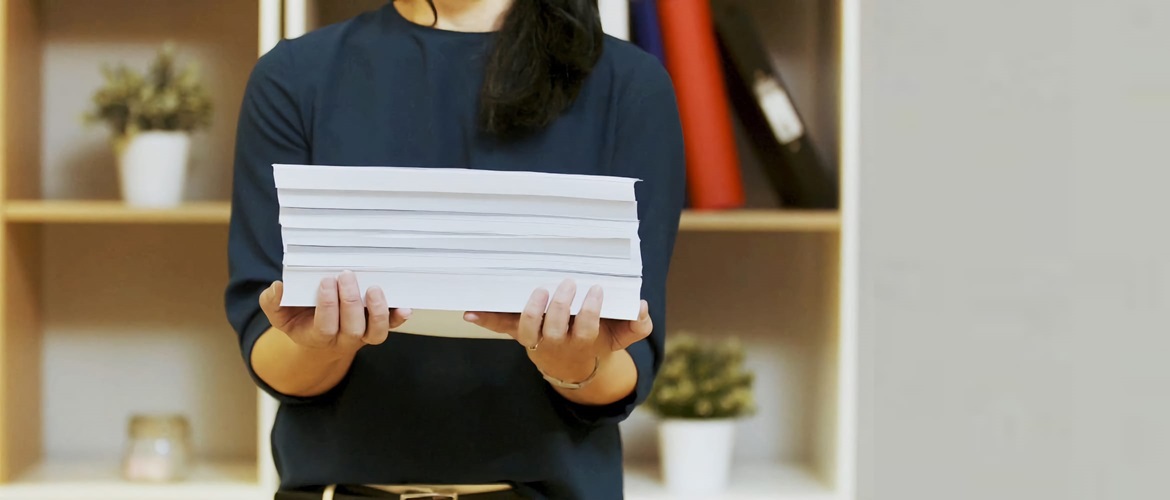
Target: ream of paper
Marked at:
549, 206
548, 245
440, 240
456, 223
406, 259
453, 180
467, 292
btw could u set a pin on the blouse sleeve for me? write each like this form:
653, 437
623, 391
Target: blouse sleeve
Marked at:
650, 148
269, 131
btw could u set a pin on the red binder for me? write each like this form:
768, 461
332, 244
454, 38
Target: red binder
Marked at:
692, 58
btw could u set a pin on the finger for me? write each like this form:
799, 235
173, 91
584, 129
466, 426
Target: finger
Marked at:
278, 316
325, 318
632, 331
378, 322
399, 316
528, 329
353, 315
556, 320
497, 322
588, 320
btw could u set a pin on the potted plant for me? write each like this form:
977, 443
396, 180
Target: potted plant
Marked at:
701, 391
151, 118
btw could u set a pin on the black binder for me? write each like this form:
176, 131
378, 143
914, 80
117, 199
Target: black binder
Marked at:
775, 128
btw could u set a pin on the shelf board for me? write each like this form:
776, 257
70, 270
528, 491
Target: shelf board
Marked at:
218, 212
750, 481
114, 212
100, 480
761, 220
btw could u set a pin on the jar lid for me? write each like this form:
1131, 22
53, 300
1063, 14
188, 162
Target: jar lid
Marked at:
159, 426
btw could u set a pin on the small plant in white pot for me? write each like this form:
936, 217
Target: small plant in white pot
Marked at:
702, 390
151, 117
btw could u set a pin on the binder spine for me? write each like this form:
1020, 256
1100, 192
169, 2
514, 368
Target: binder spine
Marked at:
692, 57
775, 126
647, 31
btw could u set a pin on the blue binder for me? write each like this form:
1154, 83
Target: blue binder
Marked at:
646, 30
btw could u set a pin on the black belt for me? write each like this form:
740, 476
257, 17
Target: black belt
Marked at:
361, 492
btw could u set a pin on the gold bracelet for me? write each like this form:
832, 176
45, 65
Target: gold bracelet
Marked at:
573, 385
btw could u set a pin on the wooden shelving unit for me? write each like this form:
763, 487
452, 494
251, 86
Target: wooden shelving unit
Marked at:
75, 360
105, 310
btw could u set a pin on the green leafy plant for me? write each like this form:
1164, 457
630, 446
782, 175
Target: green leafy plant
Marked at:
702, 380
165, 98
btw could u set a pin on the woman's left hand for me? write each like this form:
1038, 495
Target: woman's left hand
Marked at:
562, 345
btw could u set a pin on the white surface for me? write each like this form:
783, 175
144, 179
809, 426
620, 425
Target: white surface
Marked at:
464, 292
405, 259
778, 109
270, 24
153, 168
589, 247
749, 481
296, 17
1015, 258
101, 480
845, 463
452, 180
696, 455
615, 18
456, 223
551, 206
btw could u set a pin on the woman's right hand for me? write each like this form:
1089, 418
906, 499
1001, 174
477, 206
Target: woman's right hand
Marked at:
339, 324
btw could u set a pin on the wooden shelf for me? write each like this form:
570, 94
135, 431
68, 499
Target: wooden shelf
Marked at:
113, 212
761, 220
100, 480
218, 212
751, 481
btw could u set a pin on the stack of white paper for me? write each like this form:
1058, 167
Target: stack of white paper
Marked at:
459, 239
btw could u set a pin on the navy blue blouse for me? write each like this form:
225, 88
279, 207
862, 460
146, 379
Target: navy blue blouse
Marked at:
380, 90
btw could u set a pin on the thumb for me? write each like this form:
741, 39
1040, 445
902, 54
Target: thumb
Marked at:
270, 304
626, 333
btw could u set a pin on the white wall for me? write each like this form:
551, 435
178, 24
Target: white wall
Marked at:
1015, 257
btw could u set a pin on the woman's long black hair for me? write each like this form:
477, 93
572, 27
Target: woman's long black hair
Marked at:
542, 55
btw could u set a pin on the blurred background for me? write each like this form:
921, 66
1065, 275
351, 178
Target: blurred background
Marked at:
933, 230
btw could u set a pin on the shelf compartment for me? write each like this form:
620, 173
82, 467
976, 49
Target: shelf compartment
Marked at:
114, 212
777, 293
749, 481
74, 39
101, 480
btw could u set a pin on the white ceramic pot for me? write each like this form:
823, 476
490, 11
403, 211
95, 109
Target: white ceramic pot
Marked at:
153, 168
696, 455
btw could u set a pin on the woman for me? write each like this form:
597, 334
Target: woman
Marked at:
488, 84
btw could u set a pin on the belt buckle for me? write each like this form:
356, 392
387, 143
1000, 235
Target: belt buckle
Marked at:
428, 495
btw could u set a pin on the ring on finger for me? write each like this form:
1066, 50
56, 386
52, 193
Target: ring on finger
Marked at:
537, 344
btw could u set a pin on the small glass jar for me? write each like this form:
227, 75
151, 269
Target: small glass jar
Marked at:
158, 450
